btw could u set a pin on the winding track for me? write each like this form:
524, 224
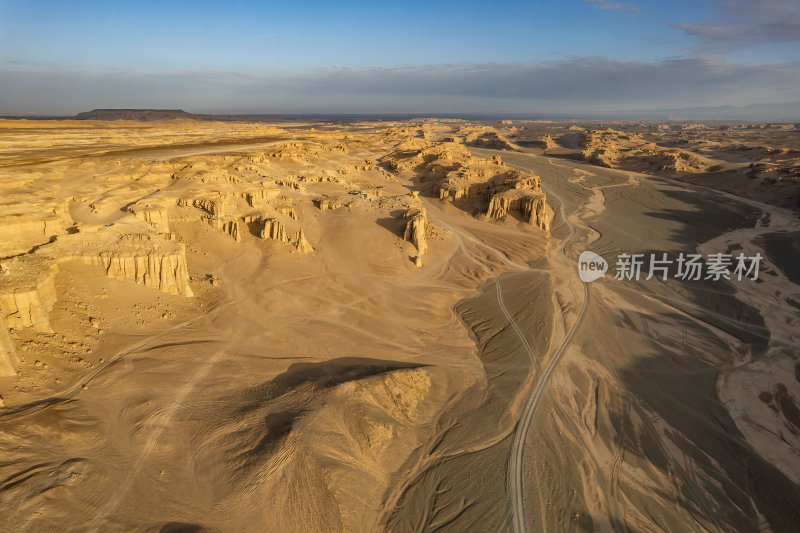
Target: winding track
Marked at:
518, 446
543, 376
542, 380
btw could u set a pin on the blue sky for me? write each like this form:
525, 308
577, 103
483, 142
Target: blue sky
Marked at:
528, 57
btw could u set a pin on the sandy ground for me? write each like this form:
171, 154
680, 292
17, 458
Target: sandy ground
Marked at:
224, 327
664, 382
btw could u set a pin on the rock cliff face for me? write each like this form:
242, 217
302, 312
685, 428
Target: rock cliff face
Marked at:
522, 194
27, 292
27, 295
415, 228
260, 197
275, 230
8, 352
140, 257
459, 188
226, 225
27, 283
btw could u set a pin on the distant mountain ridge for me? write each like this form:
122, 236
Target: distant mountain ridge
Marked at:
783, 112
134, 114
775, 112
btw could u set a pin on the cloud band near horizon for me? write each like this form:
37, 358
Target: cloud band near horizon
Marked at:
580, 84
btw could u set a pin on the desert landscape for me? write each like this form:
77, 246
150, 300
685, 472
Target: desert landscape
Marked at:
380, 325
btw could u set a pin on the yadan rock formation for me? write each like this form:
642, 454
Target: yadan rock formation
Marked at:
522, 194
759, 161
27, 292
486, 137
416, 220
480, 184
141, 257
220, 326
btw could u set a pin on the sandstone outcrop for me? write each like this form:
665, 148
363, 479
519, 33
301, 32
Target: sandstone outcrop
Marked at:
218, 206
473, 182
27, 282
489, 139
141, 257
260, 197
301, 244
25, 226
8, 352
157, 216
416, 219
268, 227
545, 141
671, 161
275, 230
601, 148
227, 225
27, 292
330, 203
615, 149
220, 211
523, 195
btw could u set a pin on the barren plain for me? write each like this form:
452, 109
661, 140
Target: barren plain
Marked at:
380, 326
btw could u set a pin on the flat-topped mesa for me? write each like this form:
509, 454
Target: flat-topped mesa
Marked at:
415, 228
144, 258
524, 195
27, 283
27, 292
22, 227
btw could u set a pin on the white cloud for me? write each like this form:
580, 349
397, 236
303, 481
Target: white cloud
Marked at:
747, 23
581, 84
608, 5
